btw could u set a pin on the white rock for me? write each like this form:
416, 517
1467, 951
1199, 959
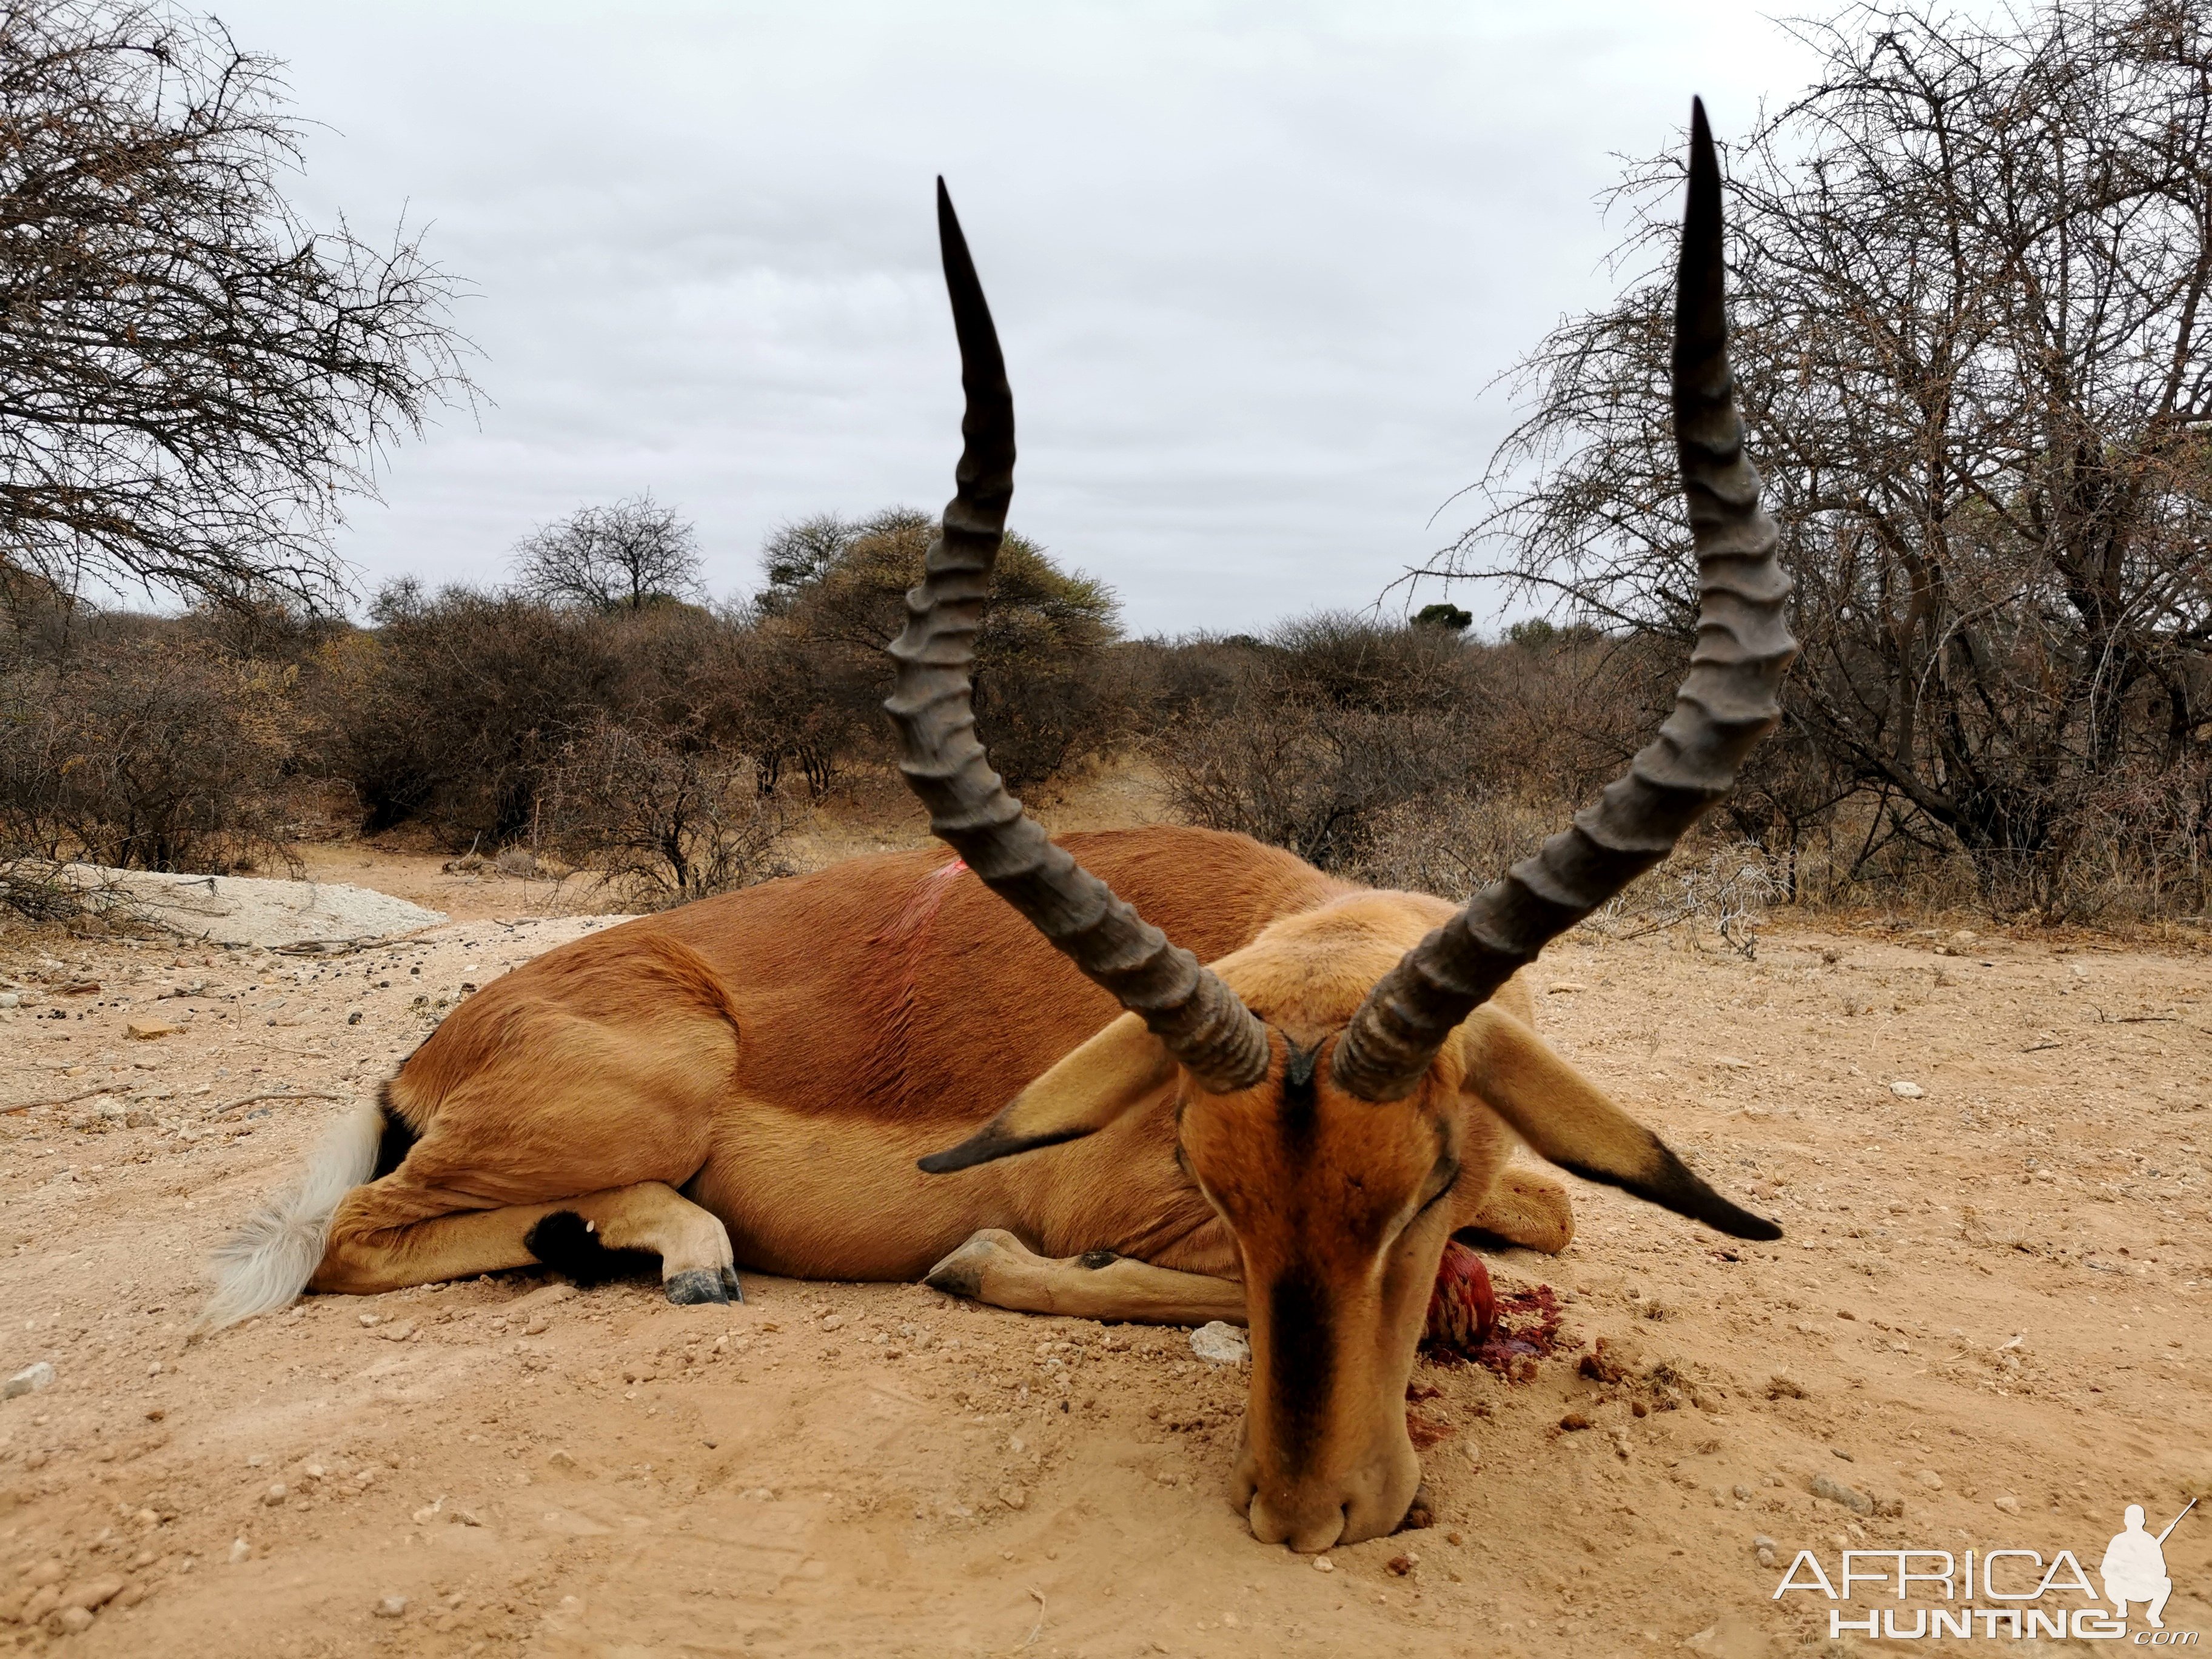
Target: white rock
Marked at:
1220, 1343
1905, 1090
391, 1606
240, 1549
30, 1380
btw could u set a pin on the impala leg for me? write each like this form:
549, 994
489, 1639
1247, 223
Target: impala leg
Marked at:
996, 1267
396, 1232
1526, 1207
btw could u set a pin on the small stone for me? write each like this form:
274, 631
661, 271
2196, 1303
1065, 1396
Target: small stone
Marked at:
1742, 1490
91, 1592
834, 1322
1013, 1498
73, 1620
1837, 1493
240, 1549
1219, 1343
1402, 1565
276, 1494
400, 1333
1905, 1090
2007, 1502
145, 1030
560, 1458
1781, 1386
32, 1379
391, 1606
538, 1327
1573, 1422
368, 1320
1322, 1564
1614, 1359
1931, 1480
1566, 988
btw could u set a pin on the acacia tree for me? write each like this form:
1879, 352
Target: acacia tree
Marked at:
623, 557
192, 379
1971, 268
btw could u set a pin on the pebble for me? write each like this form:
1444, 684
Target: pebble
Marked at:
1013, 1498
1402, 1565
1931, 1480
1905, 1090
1742, 1490
93, 1593
1221, 1344
1763, 1548
73, 1620
834, 1322
275, 1494
1322, 1564
1837, 1493
240, 1549
391, 1606
1573, 1421
2007, 1503
32, 1379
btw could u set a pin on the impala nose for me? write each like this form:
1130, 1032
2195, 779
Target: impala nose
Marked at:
1308, 1529
1314, 1515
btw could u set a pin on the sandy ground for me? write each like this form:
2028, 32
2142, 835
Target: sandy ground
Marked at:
1989, 1322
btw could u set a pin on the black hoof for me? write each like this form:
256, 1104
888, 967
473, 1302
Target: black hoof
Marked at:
696, 1285
730, 1283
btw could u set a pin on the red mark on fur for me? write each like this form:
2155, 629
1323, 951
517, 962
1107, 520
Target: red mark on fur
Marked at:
921, 908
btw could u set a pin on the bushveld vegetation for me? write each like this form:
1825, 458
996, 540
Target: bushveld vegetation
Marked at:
1971, 268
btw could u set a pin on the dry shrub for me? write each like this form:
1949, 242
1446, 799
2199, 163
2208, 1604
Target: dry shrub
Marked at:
150, 754
661, 822
1307, 738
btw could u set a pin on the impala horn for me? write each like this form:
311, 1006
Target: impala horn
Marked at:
1727, 703
1203, 1023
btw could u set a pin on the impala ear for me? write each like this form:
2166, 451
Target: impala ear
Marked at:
1563, 1118
1091, 1086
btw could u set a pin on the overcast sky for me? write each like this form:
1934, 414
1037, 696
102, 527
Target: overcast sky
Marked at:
1254, 265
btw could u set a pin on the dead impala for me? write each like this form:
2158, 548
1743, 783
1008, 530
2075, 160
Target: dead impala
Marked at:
1281, 1118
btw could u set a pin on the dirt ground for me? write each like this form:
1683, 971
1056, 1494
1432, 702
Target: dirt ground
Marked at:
1988, 1326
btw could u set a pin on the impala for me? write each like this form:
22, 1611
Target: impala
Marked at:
996, 1072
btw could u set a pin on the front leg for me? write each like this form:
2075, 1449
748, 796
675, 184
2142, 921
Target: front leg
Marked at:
996, 1267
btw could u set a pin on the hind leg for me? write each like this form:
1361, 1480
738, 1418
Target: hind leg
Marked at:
1523, 1207
399, 1231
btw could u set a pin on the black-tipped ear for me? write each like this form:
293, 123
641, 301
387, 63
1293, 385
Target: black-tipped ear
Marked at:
1666, 1180
1091, 1086
991, 1143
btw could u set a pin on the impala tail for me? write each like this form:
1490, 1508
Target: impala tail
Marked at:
266, 1263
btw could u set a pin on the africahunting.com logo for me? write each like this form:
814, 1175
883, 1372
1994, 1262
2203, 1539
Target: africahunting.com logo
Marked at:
2014, 1581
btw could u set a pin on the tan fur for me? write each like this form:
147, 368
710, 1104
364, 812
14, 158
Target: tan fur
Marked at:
751, 1079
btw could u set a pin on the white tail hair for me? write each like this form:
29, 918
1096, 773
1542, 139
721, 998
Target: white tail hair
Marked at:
267, 1261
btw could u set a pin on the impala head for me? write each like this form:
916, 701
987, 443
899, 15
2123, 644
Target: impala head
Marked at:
1318, 1075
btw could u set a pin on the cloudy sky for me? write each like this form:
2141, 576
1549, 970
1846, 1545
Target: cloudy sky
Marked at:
1255, 266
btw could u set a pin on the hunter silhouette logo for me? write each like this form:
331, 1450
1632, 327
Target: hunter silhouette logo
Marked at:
2019, 1584
2133, 1568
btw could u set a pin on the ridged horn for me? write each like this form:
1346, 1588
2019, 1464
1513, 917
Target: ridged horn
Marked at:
1727, 703
1203, 1023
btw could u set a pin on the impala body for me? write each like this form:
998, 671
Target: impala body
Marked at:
1160, 1074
